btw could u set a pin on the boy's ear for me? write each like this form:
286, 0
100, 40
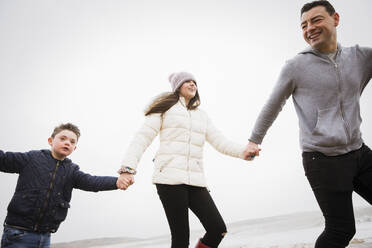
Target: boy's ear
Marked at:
50, 140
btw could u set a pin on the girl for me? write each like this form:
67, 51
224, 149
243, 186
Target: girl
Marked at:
179, 173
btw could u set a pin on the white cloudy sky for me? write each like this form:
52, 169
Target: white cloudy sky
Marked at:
97, 63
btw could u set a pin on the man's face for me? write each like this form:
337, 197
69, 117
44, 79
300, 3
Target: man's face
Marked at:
63, 144
319, 29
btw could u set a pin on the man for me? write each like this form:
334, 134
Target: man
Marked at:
326, 82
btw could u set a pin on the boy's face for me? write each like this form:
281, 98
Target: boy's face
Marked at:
63, 144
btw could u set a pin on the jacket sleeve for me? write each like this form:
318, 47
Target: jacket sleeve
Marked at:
13, 162
88, 182
281, 92
142, 139
221, 143
366, 55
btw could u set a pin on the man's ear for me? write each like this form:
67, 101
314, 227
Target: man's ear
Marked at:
50, 140
75, 148
336, 18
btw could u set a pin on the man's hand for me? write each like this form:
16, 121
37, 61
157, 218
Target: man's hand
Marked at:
124, 181
252, 150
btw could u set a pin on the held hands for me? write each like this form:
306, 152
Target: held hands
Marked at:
124, 181
252, 150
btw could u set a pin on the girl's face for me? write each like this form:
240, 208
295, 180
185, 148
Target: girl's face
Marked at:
188, 89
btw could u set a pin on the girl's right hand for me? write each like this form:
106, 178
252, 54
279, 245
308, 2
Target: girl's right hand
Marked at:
251, 151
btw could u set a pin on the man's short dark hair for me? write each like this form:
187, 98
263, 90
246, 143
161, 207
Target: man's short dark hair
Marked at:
68, 126
329, 8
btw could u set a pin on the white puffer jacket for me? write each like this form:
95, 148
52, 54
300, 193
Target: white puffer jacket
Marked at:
183, 133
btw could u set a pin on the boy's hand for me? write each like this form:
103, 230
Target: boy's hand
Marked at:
124, 181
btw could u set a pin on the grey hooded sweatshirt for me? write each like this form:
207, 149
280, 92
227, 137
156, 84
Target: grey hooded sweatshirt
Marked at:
326, 97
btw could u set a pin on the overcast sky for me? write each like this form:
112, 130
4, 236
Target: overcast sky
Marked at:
98, 63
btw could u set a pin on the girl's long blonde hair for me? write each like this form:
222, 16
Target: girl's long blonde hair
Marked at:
166, 100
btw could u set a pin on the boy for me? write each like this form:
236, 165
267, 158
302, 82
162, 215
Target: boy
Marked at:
46, 179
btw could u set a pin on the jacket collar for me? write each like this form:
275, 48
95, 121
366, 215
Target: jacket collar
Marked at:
317, 53
182, 100
49, 154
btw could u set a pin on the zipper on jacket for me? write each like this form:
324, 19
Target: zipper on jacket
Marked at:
340, 102
189, 142
45, 205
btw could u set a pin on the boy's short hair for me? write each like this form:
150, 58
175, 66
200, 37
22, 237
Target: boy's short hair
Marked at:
67, 126
327, 5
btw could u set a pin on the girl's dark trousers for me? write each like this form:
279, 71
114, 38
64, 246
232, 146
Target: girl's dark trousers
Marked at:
333, 180
177, 200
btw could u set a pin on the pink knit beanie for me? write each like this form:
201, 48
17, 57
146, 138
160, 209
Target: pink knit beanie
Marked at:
178, 78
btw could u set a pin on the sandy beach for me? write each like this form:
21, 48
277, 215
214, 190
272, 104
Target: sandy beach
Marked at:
297, 230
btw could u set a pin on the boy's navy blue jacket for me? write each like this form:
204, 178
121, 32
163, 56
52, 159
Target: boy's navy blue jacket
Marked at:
44, 188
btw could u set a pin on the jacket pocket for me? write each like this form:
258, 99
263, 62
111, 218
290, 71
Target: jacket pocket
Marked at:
60, 211
330, 129
163, 162
24, 203
353, 118
199, 165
